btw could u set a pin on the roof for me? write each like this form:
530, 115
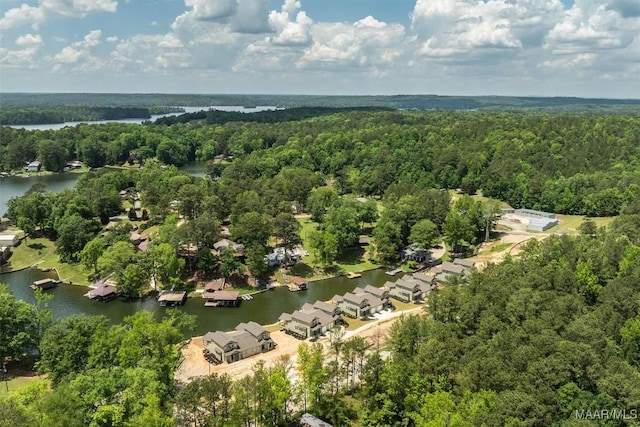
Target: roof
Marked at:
308, 420
253, 328
226, 295
226, 243
464, 262
214, 285
425, 277
323, 306
372, 290
284, 317
450, 267
172, 296
219, 338
103, 290
298, 280
307, 317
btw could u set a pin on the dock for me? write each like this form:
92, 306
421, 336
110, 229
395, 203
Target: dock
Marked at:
172, 298
44, 284
394, 272
102, 292
353, 275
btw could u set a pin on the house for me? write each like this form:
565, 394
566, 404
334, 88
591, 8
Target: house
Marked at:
380, 293
409, 289
247, 340
211, 287
34, 166
416, 253
308, 420
299, 282
448, 269
360, 305
332, 310
279, 256
237, 248
9, 239
223, 299
307, 324
464, 263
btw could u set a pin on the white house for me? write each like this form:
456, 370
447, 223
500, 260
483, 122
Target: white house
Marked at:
9, 239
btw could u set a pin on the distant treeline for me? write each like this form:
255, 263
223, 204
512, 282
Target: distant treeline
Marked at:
217, 117
34, 115
403, 102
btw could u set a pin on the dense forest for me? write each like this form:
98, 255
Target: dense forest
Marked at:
32, 115
551, 338
567, 163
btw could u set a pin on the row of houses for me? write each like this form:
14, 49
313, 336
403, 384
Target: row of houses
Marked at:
314, 320
248, 339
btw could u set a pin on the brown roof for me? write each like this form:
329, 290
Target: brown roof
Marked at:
226, 295
172, 296
214, 285
298, 280
103, 290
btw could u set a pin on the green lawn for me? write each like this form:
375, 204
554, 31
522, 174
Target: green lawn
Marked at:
570, 223
17, 383
41, 252
501, 247
353, 260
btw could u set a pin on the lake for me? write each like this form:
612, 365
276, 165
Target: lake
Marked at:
265, 308
57, 126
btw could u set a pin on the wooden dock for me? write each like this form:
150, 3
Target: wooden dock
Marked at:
353, 275
393, 272
44, 284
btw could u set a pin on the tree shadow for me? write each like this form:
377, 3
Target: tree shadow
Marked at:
352, 256
302, 269
36, 246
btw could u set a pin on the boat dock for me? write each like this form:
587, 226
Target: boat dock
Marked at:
352, 275
393, 272
172, 298
44, 284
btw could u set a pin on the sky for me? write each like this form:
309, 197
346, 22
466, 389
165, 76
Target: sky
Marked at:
583, 48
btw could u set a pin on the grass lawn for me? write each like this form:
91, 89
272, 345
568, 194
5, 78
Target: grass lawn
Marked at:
352, 261
41, 252
501, 247
17, 383
570, 223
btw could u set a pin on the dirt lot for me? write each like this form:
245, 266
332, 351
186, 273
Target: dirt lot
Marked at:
194, 364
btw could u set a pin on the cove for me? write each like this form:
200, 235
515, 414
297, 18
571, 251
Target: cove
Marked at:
265, 308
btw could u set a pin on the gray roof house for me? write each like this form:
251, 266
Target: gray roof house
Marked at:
360, 305
307, 324
409, 289
247, 340
448, 269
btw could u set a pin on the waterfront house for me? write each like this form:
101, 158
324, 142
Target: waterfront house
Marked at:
9, 239
381, 293
361, 305
34, 166
416, 253
307, 324
247, 340
332, 310
409, 289
280, 256
212, 286
299, 282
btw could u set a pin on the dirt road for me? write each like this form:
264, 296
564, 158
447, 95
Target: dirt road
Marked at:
194, 364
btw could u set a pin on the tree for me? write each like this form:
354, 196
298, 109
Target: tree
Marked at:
166, 265
491, 212
252, 227
254, 256
388, 240
229, 264
458, 231
287, 228
344, 224
92, 252
115, 259
135, 279
53, 154
324, 247
18, 324
28, 226
424, 234
74, 232
64, 349
588, 227
319, 200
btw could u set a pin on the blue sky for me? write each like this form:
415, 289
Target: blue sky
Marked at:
587, 48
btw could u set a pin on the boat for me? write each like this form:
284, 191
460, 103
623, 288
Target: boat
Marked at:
353, 275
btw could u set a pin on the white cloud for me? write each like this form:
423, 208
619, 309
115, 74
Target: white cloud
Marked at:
79, 8
29, 40
208, 10
20, 16
79, 51
19, 59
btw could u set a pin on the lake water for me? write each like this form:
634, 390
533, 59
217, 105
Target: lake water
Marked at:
57, 126
265, 308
